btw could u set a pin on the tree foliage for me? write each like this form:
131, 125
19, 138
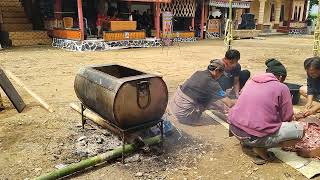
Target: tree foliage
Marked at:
312, 3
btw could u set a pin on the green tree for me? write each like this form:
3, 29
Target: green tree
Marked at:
312, 3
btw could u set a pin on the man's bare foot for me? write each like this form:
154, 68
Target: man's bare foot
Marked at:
262, 152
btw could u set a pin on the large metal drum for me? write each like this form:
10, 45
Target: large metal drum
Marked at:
123, 96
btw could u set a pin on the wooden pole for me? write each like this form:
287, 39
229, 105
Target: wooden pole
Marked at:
206, 12
305, 10
57, 8
117, 152
192, 23
129, 6
290, 14
80, 17
202, 20
157, 20
34, 95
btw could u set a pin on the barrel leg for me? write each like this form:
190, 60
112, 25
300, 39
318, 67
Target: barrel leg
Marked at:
83, 120
161, 132
123, 146
1, 104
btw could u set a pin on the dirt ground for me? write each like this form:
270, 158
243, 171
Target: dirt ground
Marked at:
35, 141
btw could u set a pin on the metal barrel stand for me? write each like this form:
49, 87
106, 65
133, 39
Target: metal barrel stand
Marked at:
124, 132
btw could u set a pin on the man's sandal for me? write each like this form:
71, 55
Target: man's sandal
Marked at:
260, 161
256, 159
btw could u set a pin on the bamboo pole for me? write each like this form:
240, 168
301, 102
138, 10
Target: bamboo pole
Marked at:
117, 152
230, 29
34, 95
202, 20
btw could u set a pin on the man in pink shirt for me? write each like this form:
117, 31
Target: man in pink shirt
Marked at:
262, 116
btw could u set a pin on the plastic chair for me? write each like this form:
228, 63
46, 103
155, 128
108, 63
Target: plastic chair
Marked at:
87, 28
68, 22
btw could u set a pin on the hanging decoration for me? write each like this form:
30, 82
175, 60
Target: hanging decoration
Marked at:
180, 8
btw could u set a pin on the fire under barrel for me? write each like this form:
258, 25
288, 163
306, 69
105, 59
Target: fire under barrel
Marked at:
122, 96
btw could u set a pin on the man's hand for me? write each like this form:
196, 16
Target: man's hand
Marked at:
236, 86
228, 102
309, 102
298, 116
308, 105
312, 110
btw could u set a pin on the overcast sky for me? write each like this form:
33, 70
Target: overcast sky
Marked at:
314, 10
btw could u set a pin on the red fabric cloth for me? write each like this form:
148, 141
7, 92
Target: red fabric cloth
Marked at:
100, 19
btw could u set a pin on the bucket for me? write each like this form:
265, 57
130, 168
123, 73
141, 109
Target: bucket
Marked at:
294, 91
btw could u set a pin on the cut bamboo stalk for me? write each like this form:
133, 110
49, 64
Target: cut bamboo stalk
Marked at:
34, 95
117, 152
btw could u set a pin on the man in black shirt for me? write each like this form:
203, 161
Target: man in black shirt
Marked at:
233, 78
312, 90
200, 92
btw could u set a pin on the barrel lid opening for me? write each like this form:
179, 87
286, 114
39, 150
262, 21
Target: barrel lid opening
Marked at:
118, 71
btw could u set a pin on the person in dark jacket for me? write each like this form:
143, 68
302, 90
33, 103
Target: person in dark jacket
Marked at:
312, 90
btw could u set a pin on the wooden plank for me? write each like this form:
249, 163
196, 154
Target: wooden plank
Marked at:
11, 92
123, 25
67, 34
216, 118
118, 36
34, 95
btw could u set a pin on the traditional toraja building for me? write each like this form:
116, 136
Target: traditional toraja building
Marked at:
286, 16
72, 24
281, 15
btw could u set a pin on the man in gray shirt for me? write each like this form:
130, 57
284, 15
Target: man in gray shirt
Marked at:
199, 93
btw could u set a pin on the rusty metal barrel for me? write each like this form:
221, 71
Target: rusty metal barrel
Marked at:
121, 95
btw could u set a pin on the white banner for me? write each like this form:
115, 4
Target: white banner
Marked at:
225, 4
